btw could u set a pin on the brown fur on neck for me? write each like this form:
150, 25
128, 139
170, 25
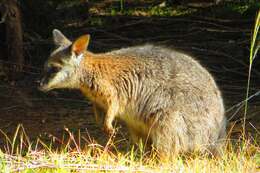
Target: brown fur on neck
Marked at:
97, 71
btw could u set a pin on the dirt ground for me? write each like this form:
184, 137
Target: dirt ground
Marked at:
220, 42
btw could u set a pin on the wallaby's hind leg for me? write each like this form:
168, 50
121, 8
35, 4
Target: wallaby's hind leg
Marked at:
169, 135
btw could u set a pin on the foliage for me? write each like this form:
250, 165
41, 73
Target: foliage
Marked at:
243, 8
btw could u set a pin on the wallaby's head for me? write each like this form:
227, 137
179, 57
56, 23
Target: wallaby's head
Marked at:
60, 70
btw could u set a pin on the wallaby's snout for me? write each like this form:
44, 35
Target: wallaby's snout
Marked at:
43, 82
50, 73
42, 85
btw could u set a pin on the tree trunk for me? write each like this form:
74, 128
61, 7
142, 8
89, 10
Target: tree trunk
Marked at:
14, 39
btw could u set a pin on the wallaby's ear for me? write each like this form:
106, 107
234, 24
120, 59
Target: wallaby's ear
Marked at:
81, 44
60, 39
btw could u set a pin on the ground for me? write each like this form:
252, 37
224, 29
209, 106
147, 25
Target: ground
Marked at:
216, 36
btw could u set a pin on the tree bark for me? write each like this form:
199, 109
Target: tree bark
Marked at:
14, 39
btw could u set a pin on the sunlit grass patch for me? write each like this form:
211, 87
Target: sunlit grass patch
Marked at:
25, 156
155, 11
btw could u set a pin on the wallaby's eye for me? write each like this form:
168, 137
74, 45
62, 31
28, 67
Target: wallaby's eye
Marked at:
53, 69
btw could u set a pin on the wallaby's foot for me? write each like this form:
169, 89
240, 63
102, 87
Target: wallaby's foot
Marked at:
108, 129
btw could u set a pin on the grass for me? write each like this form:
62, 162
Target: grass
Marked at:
21, 155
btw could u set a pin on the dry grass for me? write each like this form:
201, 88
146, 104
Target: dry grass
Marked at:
20, 155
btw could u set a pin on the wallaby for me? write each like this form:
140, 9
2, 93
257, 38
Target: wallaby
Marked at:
164, 96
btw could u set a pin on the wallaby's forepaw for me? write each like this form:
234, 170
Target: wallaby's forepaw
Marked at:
109, 130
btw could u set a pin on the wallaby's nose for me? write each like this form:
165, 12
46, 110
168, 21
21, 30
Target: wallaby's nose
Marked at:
42, 82
42, 85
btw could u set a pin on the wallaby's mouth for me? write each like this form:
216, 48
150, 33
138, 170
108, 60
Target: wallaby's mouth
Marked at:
44, 88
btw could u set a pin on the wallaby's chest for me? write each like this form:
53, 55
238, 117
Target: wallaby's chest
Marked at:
95, 96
